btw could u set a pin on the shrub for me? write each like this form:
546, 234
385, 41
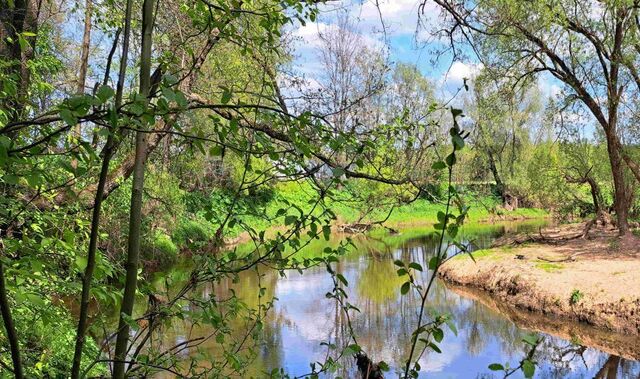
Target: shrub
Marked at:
191, 232
50, 355
576, 296
160, 250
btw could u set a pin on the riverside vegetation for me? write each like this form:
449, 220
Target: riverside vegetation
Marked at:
163, 163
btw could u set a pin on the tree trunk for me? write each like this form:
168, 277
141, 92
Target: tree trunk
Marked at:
500, 188
9, 327
84, 57
596, 195
99, 196
621, 202
135, 219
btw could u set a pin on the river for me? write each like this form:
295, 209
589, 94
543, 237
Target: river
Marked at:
302, 319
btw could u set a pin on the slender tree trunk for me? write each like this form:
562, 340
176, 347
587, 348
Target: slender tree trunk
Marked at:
135, 219
108, 151
84, 62
84, 56
596, 195
86, 44
610, 368
9, 327
496, 175
91, 257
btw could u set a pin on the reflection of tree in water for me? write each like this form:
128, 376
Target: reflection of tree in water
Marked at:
387, 319
481, 325
563, 358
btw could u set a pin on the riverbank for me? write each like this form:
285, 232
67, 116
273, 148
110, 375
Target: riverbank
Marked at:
593, 281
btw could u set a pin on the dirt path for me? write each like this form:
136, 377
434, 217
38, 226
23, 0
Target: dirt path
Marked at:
600, 285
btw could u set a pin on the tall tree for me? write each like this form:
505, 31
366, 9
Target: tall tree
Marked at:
582, 44
502, 116
135, 212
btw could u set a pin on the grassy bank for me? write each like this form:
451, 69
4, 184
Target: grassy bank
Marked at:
268, 210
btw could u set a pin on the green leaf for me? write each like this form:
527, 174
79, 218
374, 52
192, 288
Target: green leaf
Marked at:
216, 151
438, 334
451, 159
398, 263
458, 142
528, 368
439, 165
496, 367
81, 262
337, 172
342, 279
104, 93
290, 219
452, 326
35, 300
415, 266
326, 232
405, 288
530, 339
226, 96
433, 263
68, 117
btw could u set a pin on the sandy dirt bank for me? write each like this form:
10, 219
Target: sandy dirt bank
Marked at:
596, 281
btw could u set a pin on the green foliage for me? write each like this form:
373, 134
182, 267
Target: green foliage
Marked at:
192, 233
160, 250
575, 297
57, 351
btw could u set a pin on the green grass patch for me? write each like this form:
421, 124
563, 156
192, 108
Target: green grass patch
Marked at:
548, 266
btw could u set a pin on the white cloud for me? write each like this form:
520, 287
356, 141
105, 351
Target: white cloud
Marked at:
460, 71
310, 34
549, 87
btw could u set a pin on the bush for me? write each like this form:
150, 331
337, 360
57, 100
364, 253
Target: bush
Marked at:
191, 232
160, 250
50, 355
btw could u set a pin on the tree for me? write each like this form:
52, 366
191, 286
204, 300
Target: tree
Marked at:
502, 117
586, 50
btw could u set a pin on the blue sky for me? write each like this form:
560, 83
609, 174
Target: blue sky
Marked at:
408, 43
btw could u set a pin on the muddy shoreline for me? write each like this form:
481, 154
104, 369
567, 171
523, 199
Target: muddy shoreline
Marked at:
600, 287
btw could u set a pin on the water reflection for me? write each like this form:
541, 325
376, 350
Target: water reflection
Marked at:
488, 332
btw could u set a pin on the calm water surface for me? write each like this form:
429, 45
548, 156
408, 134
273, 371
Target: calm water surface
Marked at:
488, 332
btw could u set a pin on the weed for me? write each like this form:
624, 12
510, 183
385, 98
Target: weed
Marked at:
576, 296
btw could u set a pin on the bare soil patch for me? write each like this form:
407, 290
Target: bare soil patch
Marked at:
590, 280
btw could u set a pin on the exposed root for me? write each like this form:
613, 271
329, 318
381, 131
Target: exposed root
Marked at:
359, 228
532, 238
567, 259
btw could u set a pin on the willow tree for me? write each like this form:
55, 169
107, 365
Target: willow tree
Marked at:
502, 117
588, 46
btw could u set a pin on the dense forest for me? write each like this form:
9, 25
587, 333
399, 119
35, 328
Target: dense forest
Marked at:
151, 151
